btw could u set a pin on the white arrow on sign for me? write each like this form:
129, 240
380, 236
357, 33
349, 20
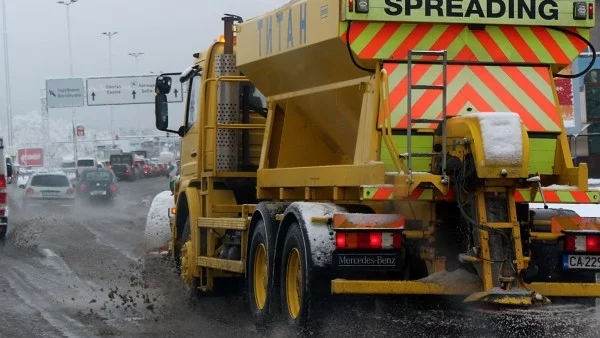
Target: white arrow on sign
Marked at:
127, 90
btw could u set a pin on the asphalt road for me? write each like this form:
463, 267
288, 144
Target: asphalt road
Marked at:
87, 274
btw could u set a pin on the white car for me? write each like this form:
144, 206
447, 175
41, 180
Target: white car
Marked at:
49, 189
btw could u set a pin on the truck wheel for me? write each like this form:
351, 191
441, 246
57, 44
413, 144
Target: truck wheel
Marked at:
259, 283
185, 269
178, 245
295, 280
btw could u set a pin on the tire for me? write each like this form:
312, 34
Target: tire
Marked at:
194, 293
296, 307
179, 244
260, 262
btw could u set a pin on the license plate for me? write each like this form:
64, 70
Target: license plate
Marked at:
49, 194
367, 261
96, 193
581, 262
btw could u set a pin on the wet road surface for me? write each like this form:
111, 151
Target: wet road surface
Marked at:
87, 274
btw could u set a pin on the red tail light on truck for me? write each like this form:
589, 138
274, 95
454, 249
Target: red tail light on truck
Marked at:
584, 242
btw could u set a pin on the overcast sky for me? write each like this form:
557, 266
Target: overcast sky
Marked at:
168, 32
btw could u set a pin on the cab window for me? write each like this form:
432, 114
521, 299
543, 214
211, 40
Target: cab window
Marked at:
193, 101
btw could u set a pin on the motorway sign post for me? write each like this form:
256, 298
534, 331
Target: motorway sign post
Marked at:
64, 93
122, 90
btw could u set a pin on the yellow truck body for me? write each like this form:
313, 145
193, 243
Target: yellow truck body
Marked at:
384, 147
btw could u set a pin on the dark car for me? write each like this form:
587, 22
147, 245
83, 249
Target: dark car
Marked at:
97, 183
124, 167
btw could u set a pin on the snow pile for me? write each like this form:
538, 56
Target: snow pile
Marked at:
502, 141
28, 232
455, 276
158, 231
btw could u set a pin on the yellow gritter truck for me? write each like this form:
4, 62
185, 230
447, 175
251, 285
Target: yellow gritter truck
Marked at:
384, 147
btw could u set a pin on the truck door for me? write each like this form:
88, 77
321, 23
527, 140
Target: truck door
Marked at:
190, 147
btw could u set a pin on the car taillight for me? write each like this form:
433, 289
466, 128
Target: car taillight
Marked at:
3, 195
368, 240
69, 191
127, 171
30, 191
83, 187
582, 243
113, 187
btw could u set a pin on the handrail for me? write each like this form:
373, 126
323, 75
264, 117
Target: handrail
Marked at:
240, 126
386, 130
231, 126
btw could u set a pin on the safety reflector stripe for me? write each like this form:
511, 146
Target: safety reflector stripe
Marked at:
558, 196
386, 192
527, 91
376, 40
380, 221
574, 223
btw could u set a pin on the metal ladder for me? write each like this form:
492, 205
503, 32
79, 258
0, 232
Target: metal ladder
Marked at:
410, 120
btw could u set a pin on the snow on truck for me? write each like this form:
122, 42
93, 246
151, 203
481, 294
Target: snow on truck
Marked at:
398, 148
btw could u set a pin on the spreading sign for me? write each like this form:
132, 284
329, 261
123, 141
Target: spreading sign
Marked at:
31, 157
485, 12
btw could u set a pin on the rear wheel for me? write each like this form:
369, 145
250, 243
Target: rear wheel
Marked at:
258, 282
295, 279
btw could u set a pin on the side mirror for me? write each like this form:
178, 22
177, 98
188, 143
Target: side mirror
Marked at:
161, 112
162, 87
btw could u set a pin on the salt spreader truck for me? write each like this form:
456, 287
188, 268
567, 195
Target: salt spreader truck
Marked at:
384, 147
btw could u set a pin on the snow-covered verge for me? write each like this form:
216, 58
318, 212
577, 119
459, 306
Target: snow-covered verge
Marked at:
29, 133
158, 232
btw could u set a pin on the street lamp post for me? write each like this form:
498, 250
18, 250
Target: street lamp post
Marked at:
7, 77
112, 122
136, 55
68, 4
